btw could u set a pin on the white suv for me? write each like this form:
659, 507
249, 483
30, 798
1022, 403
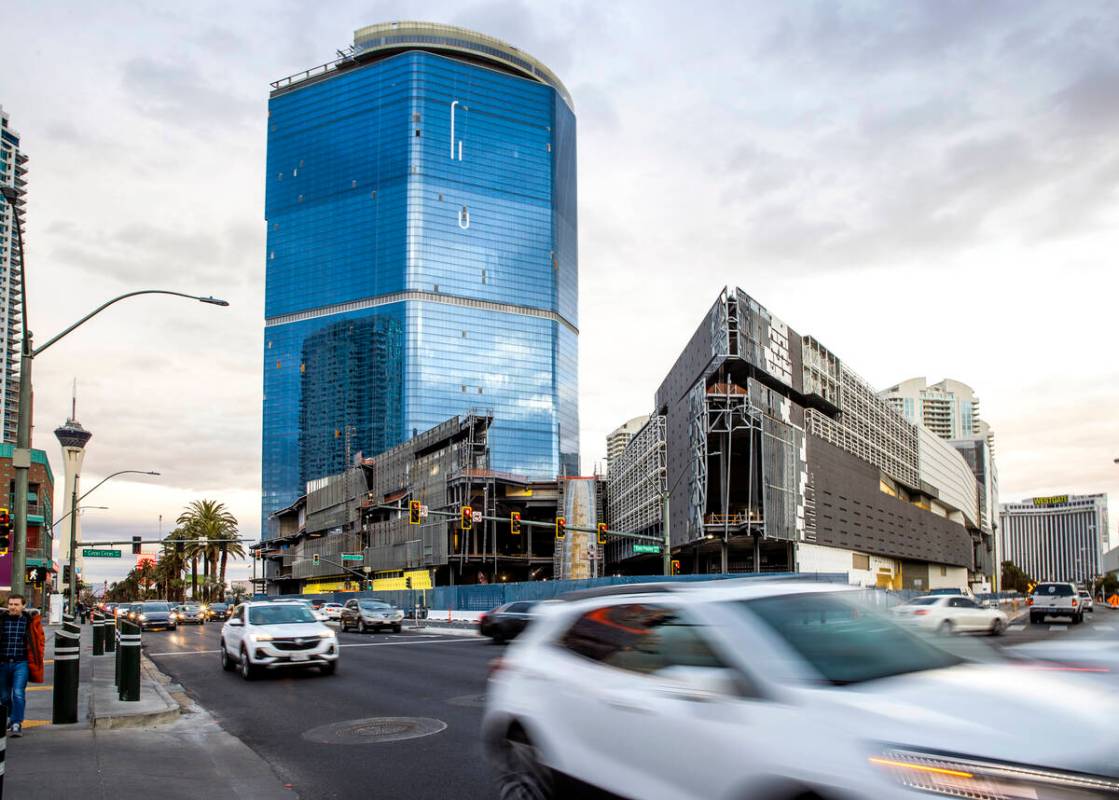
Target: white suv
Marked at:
759, 689
268, 635
1055, 599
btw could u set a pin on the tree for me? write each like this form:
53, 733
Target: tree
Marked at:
210, 522
1014, 578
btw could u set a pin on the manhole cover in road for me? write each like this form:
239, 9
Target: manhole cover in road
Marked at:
469, 700
374, 730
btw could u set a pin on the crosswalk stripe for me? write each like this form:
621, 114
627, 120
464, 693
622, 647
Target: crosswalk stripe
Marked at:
1102, 626
1058, 627
1016, 627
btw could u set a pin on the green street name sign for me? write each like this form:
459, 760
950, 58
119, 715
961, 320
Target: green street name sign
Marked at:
89, 553
646, 548
353, 557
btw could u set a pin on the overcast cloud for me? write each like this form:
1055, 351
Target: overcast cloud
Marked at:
928, 187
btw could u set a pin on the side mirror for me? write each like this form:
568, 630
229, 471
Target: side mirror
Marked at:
236, 622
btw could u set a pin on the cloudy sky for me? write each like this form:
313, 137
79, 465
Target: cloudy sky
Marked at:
927, 187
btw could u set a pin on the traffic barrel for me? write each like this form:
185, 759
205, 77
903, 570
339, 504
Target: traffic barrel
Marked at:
128, 686
98, 634
67, 650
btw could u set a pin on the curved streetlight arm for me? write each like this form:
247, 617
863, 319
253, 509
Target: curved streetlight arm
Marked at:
80, 508
122, 472
211, 300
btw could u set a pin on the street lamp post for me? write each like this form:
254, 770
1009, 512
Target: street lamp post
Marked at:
21, 456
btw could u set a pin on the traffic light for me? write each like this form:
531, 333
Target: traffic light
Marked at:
515, 523
467, 521
675, 567
136, 545
414, 512
315, 559
602, 533
180, 545
407, 581
5, 531
561, 527
66, 573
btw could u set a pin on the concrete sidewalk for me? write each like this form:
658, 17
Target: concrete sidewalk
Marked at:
164, 743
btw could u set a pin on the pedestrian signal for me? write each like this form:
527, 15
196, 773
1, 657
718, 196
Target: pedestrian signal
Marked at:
315, 559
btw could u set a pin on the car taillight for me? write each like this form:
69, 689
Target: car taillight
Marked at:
482, 619
1074, 603
920, 612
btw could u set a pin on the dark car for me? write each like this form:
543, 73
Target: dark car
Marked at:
506, 622
365, 615
219, 610
192, 613
152, 615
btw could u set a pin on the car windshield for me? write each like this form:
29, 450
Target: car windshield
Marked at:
280, 614
1054, 590
191, 608
219, 606
373, 605
844, 642
923, 601
148, 608
1084, 593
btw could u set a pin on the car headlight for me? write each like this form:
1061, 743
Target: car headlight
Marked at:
326, 635
143, 617
262, 637
960, 776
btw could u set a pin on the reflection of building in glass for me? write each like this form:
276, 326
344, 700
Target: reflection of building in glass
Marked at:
351, 380
427, 176
779, 457
1060, 538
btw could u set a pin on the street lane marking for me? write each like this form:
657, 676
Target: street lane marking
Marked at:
456, 640
1058, 627
35, 723
1016, 628
44, 688
1104, 626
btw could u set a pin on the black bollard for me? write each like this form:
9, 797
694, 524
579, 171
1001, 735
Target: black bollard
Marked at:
129, 685
98, 635
3, 746
116, 637
110, 633
67, 647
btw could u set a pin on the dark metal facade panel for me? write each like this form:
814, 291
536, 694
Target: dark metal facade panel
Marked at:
852, 512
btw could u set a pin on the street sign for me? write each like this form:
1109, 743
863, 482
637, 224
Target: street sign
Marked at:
91, 553
423, 512
646, 548
477, 516
353, 557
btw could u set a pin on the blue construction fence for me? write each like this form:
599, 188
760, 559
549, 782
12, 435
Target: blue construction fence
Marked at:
483, 597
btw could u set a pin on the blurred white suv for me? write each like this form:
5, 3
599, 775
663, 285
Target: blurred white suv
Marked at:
734, 690
267, 635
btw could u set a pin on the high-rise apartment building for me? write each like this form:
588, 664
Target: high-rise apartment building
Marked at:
617, 439
949, 409
13, 174
1059, 538
421, 255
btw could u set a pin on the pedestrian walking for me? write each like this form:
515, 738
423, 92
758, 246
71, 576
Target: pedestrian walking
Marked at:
22, 643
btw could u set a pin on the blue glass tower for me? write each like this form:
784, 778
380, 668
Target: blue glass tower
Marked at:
422, 255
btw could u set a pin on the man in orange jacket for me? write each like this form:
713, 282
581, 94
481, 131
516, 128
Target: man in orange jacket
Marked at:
22, 643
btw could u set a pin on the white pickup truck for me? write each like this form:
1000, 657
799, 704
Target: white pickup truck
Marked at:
1056, 600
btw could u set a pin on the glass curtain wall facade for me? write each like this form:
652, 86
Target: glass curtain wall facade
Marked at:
421, 263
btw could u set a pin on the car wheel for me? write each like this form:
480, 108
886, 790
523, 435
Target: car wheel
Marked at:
329, 668
248, 671
945, 628
226, 662
1077, 619
1034, 620
396, 628
523, 776
997, 627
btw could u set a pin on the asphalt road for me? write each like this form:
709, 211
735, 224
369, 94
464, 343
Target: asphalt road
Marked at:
436, 677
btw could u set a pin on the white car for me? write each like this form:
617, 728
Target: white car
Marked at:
266, 635
771, 690
1086, 601
332, 610
952, 614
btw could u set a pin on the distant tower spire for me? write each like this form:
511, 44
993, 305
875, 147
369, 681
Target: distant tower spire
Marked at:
74, 401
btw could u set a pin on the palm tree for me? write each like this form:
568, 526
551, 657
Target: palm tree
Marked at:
211, 522
170, 567
229, 545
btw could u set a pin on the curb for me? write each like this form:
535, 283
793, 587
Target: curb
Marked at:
143, 719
